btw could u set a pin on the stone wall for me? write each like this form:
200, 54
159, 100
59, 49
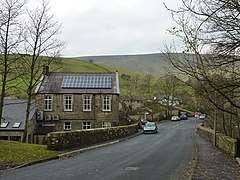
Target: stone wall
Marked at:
83, 138
227, 144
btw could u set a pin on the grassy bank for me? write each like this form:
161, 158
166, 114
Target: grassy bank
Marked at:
15, 153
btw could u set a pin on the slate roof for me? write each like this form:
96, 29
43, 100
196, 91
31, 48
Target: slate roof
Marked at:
52, 84
14, 111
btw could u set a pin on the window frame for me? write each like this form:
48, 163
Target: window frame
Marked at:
106, 126
46, 102
87, 125
107, 103
89, 104
67, 127
64, 102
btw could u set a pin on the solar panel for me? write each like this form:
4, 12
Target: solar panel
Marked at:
87, 81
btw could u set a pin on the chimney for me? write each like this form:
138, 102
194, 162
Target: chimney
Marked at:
45, 70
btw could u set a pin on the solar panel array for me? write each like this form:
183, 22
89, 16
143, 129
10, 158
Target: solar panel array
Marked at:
95, 82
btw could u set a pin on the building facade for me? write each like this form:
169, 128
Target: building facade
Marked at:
75, 101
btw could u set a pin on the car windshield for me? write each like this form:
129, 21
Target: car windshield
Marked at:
149, 125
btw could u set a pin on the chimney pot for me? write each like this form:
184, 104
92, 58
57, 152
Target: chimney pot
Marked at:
45, 70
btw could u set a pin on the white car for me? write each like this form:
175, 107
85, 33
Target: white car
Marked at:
202, 116
175, 118
196, 115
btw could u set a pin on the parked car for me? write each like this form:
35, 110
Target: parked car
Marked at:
196, 115
150, 127
202, 116
183, 117
175, 118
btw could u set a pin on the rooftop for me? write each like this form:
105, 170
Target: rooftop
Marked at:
14, 114
79, 83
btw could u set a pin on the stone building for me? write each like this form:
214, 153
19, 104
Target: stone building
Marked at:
75, 101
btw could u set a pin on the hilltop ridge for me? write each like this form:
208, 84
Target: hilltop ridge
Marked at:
155, 63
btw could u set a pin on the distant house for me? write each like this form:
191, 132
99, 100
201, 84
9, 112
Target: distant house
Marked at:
72, 101
170, 101
135, 103
13, 121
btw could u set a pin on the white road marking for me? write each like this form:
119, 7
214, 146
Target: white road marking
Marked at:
178, 124
132, 168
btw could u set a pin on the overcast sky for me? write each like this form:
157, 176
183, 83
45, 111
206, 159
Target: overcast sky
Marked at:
104, 27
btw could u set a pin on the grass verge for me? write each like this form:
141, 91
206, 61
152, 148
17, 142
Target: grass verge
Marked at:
16, 153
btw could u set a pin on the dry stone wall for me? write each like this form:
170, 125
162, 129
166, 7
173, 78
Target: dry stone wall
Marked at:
83, 138
227, 144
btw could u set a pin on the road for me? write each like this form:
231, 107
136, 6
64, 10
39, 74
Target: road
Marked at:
165, 155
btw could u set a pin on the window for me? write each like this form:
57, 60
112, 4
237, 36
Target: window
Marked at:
86, 102
67, 126
16, 125
68, 103
106, 103
86, 125
106, 125
4, 124
48, 102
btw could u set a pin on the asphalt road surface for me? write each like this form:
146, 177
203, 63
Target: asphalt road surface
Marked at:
162, 156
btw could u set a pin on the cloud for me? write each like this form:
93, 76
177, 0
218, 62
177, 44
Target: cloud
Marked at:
93, 27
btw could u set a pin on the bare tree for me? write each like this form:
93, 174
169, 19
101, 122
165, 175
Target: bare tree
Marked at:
170, 88
211, 27
10, 37
42, 46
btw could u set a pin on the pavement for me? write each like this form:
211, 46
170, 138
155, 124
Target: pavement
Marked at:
211, 163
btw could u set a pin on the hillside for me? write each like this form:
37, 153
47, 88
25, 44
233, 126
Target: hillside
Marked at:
73, 65
155, 64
